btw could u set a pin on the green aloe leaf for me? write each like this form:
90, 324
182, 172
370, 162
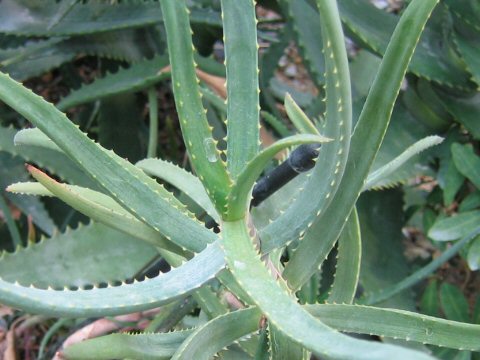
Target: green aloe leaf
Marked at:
399, 324
123, 299
349, 258
239, 195
469, 50
377, 178
183, 180
44, 156
366, 141
13, 169
95, 205
286, 314
323, 183
88, 255
137, 77
128, 185
464, 110
197, 133
373, 28
90, 17
218, 333
241, 60
147, 346
308, 34
303, 124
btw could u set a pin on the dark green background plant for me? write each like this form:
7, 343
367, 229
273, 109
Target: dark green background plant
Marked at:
297, 227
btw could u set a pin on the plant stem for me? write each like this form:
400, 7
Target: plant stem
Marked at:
153, 112
12, 227
48, 335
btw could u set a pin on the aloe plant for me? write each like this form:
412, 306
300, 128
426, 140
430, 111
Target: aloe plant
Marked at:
245, 258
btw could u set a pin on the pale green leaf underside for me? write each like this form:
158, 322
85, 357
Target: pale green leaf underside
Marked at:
97, 206
77, 258
455, 227
183, 180
137, 77
123, 299
296, 115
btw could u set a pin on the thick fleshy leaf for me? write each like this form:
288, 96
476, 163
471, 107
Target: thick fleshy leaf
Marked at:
286, 314
88, 255
377, 178
349, 258
147, 346
399, 324
241, 61
322, 185
183, 180
91, 17
123, 299
366, 141
218, 333
122, 180
197, 133
373, 28
238, 197
137, 77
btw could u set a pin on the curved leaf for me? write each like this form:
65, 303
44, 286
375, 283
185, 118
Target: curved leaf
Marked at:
218, 333
349, 258
156, 346
182, 180
322, 185
239, 195
377, 177
286, 314
91, 254
90, 17
123, 299
197, 133
128, 185
137, 77
366, 141
399, 324
97, 206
